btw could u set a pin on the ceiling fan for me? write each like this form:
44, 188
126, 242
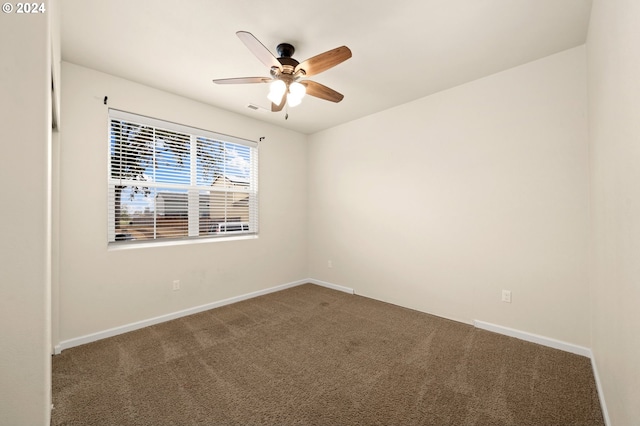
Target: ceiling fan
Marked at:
286, 72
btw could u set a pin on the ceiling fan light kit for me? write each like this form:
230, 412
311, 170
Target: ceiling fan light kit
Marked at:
287, 73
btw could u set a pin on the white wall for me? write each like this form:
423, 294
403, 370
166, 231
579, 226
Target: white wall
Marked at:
614, 136
25, 160
101, 289
441, 203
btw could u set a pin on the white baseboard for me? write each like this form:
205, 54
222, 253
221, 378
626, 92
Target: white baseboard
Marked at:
534, 338
66, 344
603, 405
331, 286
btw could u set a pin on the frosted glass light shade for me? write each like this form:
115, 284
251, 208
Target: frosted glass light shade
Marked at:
296, 93
297, 90
276, 91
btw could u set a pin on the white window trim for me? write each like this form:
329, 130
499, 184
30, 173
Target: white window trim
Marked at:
193, 232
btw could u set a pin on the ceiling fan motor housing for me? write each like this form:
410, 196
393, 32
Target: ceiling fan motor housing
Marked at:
285, 50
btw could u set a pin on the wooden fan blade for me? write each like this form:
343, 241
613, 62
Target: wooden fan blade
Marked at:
243, 80
276, 108
321, 91
324, 61
258, 49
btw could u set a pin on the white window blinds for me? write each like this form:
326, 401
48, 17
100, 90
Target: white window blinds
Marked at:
169, 181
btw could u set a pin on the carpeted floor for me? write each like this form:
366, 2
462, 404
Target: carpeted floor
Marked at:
314, 356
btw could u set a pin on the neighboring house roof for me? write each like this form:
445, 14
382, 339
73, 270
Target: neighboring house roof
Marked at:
234, 180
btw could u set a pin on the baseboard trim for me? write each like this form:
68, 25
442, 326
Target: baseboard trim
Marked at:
331, 285
534, 338
603, 405
66, 344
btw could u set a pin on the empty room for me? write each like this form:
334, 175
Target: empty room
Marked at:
320, 213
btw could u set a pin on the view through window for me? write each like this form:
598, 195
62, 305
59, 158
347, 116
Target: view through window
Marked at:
169, 181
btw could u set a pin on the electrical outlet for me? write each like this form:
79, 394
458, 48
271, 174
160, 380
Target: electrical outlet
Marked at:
329, 264
176, 285
506, 296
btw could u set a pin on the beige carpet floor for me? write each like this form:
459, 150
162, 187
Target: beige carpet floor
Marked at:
314, 356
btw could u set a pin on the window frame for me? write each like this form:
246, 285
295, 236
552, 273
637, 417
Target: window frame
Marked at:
193, 189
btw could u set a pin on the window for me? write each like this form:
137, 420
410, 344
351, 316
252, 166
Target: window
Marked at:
168, 181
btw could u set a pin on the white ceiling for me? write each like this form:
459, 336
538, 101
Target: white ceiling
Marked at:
402, 49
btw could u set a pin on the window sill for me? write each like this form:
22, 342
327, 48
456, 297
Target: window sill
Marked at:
130, 245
